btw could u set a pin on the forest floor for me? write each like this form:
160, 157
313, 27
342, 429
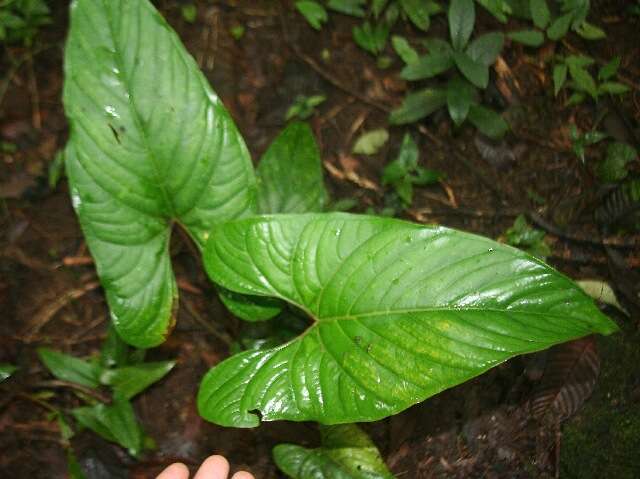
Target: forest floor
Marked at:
486, 428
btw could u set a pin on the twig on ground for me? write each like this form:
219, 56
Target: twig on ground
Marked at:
45, 314
59, 384
556, 231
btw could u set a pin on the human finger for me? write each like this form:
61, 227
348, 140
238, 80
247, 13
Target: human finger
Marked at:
214, 467
175, 471
243, 475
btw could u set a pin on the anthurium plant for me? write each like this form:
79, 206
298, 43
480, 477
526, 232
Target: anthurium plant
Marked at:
396, 311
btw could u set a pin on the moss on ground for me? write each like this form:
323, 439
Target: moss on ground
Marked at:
603, 440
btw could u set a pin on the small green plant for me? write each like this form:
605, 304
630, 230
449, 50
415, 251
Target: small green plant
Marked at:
529, 239
6, 371
118, 368
346, 452
304, 106
614, 167
581, 141
403, 173
371, 289
470, 59
20, 20
573, 72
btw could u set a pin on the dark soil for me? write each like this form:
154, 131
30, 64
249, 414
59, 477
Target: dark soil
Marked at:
485, 428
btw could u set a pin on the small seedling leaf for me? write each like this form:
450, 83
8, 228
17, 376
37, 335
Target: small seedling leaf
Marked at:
462, 17
530, 38
559, 77
427, 66
313, 12
559, 27
418, 13
474, 71
460, 97
540, 13
404, 50
129, 381
355, 8
418, 105
69, 368
486, 48
488, 122
115, 423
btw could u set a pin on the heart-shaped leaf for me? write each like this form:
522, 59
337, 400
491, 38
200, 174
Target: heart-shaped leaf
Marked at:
401, 311
150, 145
346, 453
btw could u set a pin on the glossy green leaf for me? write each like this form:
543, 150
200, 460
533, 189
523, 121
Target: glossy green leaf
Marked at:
313, 12
418, 105
460, 97
404, 49
418, 13
289, 181
6, 371
474, 71
290, 173
540, 13
462, 17
129, 381
486, 48
400, 312
68, 368
250, 308
488, 122
428, 66
346, 453
370, 142
559, 77
150, 145
116, 423
530, 38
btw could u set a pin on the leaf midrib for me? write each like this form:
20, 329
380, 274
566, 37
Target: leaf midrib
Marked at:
137, 119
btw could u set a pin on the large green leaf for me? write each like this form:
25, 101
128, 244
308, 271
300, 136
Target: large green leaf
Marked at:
401, 311
346, 453
290, 173
150, 145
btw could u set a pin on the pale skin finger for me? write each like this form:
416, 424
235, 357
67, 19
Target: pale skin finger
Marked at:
214, 467
175, 471
242, 475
